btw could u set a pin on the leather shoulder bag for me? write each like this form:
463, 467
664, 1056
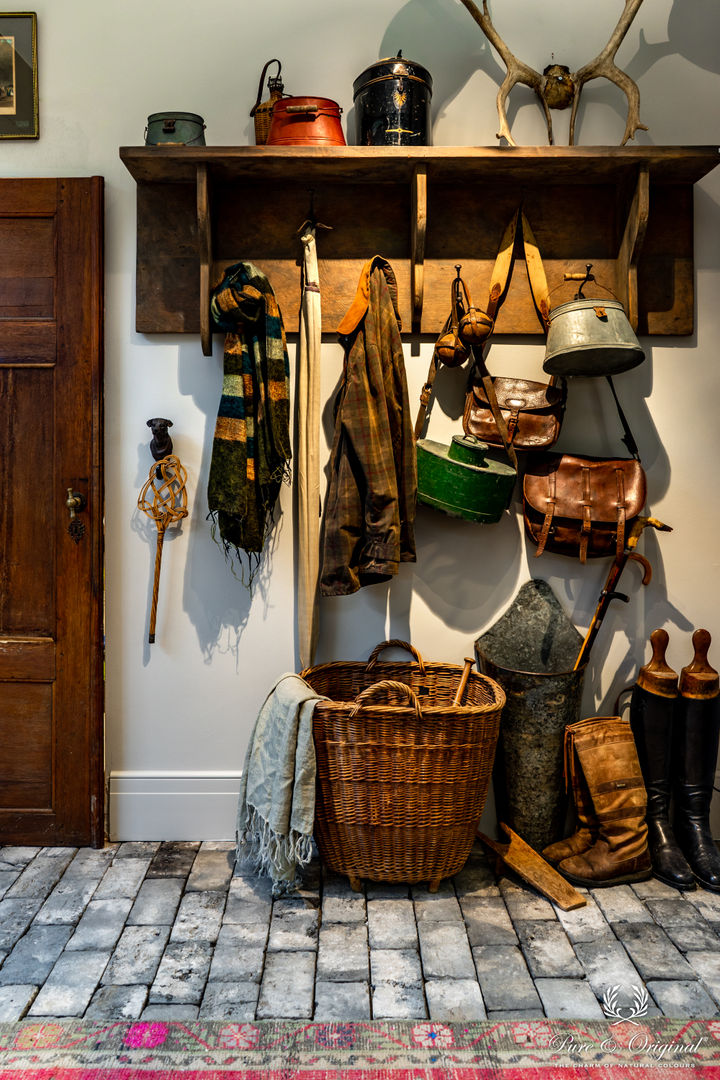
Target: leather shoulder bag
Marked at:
531, 412
583, 506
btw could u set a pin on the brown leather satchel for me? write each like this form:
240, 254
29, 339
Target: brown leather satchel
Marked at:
533, 412
581, 505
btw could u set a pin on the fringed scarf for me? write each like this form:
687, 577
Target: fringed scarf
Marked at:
251, 448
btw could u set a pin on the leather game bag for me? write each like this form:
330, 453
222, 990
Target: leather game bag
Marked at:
582, 506
530, 413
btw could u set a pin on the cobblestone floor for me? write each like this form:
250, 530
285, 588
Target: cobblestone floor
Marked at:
148, 931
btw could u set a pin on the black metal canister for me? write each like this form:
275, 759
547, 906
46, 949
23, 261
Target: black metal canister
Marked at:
392, 104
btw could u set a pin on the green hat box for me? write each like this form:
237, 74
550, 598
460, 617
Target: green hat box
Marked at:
463, 480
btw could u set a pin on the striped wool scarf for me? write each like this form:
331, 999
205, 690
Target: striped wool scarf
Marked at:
251, 447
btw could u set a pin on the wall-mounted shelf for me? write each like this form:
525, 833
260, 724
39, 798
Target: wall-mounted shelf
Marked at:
628, 211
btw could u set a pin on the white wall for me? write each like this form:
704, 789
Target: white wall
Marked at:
179, 713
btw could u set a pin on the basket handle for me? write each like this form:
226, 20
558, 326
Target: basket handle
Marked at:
386, 684
397, 644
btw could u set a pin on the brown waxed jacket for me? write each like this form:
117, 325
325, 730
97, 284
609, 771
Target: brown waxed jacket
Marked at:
369, 514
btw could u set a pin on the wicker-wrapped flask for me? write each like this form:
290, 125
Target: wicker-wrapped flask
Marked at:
262, 113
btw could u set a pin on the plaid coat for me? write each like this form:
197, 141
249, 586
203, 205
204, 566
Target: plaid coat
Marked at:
369, 514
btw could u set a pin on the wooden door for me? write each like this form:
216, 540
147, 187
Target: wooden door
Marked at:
51, 663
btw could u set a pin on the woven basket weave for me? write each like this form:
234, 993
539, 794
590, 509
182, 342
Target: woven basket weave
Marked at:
402, 773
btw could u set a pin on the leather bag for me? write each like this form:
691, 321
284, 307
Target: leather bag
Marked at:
500, 410
582, 506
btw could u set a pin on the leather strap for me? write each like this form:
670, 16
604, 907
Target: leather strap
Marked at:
549, 514
586, 504
621, 515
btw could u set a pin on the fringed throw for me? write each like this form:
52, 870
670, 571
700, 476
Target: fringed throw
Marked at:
251, 448
276, 804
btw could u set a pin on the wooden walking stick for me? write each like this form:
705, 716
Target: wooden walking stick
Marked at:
164, 499
610, 593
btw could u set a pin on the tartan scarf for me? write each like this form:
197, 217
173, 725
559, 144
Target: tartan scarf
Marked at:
251, 447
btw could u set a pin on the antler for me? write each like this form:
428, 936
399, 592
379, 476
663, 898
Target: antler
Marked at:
603, 66
517, 71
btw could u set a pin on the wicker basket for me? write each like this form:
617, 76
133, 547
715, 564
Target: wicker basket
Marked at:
402, 772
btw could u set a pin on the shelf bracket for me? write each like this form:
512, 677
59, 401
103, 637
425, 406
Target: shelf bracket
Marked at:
204, 227
417, 242
632, 242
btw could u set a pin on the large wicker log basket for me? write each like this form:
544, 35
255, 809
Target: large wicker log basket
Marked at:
402, 772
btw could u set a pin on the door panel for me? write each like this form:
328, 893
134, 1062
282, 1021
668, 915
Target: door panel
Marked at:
51, 692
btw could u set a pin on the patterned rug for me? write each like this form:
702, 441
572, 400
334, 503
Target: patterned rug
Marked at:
656, 1049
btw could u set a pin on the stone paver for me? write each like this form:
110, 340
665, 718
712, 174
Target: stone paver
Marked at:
211, 870
619, 903
122, 878
652, 952
680, 999
445, 950
391, 924
399, 966
454, 1000
70, 985
568, 999
137, 955
157, 902
341, 1001
288, 986
230, 1000
101, 924
514, 989
15, 1001
174, 931
182, 974
393, 1002
547, 950
343, 953
34, 956
606, 964
199, 917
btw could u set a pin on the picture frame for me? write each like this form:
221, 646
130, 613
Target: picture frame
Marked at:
19, 117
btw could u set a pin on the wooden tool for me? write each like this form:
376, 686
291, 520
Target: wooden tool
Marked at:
469, 662
532, 868
164, 499
657, 677
699, 679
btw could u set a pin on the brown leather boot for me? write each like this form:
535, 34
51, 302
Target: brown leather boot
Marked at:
606, 753
586, 829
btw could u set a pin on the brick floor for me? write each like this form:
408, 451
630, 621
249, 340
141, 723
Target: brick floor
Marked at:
150, 931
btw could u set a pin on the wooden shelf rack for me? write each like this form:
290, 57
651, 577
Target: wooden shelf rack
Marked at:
628, 211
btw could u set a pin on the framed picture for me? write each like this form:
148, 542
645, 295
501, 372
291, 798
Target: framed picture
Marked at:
18, 75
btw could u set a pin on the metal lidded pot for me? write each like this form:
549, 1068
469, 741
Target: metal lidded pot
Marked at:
175, 129
392, 104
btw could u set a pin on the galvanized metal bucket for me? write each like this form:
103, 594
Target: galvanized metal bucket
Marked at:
463, 480
531, 651
591, 337
175, 129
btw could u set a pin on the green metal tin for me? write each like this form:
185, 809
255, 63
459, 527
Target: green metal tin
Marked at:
175, 129
463, 480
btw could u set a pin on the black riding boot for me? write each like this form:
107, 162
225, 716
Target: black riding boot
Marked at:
652, 709
697, 736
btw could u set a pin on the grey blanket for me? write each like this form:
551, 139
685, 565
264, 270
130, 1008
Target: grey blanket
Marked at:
276, 807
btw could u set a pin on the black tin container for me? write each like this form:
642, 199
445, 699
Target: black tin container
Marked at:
392, 104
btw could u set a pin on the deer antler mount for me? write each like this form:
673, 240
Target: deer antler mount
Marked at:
558, 87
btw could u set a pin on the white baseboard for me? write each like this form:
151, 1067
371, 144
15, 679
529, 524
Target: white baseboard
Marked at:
172, 805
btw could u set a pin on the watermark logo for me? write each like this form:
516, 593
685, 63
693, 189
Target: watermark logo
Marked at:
625, 1012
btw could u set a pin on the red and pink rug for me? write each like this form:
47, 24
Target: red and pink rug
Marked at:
656, 1049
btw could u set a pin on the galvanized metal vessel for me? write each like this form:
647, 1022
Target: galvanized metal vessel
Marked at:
175, 129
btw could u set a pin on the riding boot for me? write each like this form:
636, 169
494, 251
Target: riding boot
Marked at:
585, 833
698, 733
606, 754
652, 709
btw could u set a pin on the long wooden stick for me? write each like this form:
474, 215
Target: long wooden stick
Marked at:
156, 581
469, 661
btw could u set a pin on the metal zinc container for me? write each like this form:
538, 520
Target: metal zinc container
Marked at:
462, 481
175, 129
591, 337
392, 104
